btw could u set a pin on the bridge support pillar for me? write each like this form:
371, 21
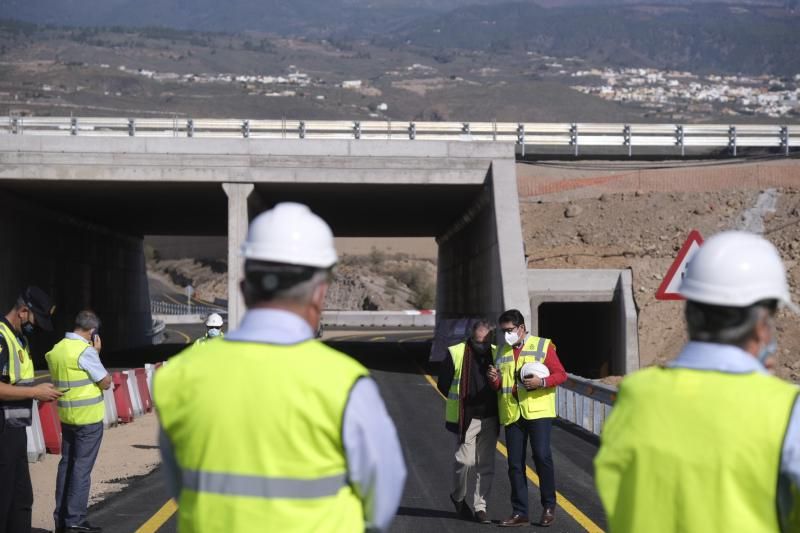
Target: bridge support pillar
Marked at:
238, 220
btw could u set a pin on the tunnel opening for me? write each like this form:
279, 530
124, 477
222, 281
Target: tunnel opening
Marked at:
585, 334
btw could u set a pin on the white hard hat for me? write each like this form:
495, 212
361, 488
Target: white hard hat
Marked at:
214, 320
537, 369
736, 269
290, 233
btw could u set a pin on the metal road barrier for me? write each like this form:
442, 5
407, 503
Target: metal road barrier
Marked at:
167, 308
584, 402
564, 134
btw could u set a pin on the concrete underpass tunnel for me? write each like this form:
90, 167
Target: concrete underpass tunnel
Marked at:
585, 333
591, 317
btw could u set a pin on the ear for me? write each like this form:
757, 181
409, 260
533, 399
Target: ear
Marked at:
318, 296
764, 329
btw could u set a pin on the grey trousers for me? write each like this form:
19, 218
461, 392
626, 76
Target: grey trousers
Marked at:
79, 447
476, 452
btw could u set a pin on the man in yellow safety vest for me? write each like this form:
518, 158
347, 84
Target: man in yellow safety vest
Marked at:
269, 429
33, 310
711, 442
76, 370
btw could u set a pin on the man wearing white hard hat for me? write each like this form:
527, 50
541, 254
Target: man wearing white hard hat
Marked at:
213, 328
712, 441
295, 436
527, 373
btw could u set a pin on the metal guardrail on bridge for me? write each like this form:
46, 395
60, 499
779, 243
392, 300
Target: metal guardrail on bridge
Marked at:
584, 402
564, 134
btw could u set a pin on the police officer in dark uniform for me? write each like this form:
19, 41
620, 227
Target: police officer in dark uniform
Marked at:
33, 310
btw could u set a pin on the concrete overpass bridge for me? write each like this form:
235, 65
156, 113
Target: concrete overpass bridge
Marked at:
76, 208
79, 194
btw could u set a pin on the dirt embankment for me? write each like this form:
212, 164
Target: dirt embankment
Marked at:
644, 230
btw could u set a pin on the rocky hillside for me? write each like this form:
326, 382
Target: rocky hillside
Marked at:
374, 282
643, 232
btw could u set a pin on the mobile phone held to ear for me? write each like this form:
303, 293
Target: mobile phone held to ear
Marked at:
94, 336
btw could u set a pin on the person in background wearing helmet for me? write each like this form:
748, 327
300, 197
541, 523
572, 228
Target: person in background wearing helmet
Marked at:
712, 441
213, 328
471, 413
75, 368
527, 408
33, 310
296, 436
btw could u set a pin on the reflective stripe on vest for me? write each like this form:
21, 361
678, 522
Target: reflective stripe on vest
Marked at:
695, 451
530, 405
20, 374
285, 473
262, 486
82, 403
70, 384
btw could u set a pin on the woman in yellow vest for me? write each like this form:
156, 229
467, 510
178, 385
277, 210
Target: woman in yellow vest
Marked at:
76, 370
268, 429
33, 310
711, 443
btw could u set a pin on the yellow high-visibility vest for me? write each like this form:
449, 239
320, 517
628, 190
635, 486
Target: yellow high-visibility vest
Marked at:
530, 405
20, 373
82, 403
451, 405
694, 451
257, 431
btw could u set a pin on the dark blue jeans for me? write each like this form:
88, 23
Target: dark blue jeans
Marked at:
517, 435
79, 447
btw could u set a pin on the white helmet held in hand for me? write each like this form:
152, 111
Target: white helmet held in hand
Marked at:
290, 233
214, 320
534, 369
736, 269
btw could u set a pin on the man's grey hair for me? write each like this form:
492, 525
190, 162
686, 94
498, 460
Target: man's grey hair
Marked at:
87, 320
726, 325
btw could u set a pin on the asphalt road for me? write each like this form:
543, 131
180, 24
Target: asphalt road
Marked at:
397, 361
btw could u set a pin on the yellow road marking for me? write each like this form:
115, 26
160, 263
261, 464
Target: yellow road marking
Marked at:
182, 334
564, 503
155, 522
373, 339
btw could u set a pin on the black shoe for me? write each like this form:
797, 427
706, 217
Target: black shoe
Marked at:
482, 518
86, 527
462, 509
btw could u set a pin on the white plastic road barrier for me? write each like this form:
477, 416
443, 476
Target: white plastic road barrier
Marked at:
110, 419
36, 449
150, 370
133, 390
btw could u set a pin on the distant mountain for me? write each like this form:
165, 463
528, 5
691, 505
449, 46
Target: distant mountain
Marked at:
698, 37
752, 36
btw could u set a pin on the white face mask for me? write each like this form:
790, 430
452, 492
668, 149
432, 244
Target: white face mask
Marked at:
213, 332
512, 337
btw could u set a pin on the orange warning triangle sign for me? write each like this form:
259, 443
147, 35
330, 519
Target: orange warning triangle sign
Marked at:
668, 290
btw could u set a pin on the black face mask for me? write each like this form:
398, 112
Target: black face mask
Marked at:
28, 328
479, 348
